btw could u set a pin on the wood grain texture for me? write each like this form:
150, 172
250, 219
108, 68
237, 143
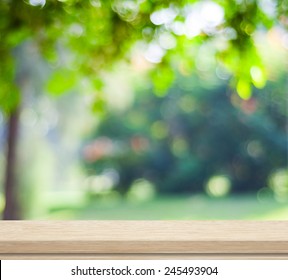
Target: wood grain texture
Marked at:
144, 256
96, 238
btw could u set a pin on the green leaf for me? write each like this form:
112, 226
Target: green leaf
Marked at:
162, 79
61, 81
99, 105
258, 76
244, 89
98, 83
9, 98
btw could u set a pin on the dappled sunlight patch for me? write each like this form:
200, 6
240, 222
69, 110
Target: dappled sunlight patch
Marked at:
154, 53
258, 76
159, 130
99, 184
278, 182
163, 16
127, 10
37, 2
179, 147
141, 190
102, 187
218, 186
203, 17
255, 149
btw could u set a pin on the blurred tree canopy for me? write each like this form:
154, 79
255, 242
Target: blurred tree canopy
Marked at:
100, 32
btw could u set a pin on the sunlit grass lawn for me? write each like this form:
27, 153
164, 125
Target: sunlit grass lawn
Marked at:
198, 207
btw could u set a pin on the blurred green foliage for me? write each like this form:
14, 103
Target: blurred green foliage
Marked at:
183, 134
198, 131
93, 34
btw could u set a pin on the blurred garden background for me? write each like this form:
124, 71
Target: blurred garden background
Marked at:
144, 109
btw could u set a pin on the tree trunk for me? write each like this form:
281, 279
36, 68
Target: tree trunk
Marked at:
11, 211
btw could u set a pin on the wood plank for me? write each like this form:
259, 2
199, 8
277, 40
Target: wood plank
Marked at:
143, 237
144, 256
